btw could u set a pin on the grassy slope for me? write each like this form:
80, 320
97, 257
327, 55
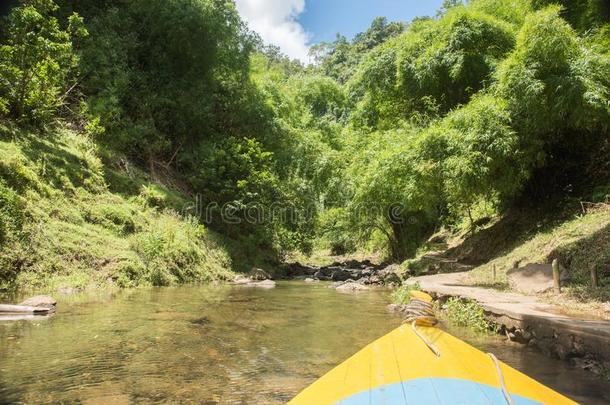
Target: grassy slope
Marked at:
70, 218
579, 243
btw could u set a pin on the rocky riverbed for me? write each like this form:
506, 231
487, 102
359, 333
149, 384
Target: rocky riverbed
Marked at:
347, 276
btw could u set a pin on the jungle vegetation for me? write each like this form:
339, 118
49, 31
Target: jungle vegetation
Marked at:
125, 112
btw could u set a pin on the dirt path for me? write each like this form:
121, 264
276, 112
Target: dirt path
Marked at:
529, 320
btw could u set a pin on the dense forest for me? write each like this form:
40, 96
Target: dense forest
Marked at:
140, 139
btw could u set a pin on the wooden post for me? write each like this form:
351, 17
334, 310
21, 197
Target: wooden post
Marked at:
556, 277
493, 269
594, 282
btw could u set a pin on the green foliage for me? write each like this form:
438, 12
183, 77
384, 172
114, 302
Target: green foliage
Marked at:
482, 158
434, 65
60, 226
472, 109
467, 314
36, 60
173, 251
340, 58
11, 213
582, 14
404, 129
402, 295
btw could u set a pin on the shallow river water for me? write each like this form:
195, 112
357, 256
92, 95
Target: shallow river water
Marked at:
217, 344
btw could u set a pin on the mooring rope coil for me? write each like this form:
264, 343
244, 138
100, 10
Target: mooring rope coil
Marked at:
420, 312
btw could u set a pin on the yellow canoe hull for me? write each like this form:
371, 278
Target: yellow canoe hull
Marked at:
399, 368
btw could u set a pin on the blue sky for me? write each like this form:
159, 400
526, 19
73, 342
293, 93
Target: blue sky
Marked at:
295, 25
324, 18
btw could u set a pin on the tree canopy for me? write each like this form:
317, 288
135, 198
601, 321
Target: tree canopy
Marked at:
405, 128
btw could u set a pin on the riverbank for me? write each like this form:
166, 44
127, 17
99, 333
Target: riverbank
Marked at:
581, 339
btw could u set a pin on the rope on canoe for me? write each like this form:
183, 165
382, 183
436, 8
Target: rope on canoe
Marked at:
419, 312
509, 399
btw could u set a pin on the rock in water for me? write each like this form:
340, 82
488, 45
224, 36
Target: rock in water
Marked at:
259, 274
262, 284
352, 287
246, 282
240, 280
40, 301
533, 278
340, 275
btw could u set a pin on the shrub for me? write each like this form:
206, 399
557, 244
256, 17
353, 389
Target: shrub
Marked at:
402, 295
468, 314
174, 251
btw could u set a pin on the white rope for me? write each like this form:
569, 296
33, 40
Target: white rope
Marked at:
419, 311
426, 341
509, 399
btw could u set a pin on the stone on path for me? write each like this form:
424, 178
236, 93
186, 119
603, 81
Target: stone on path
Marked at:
533, 278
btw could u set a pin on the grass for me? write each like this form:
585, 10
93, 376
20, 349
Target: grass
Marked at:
70, 219
402, 295
580, 243
468, 314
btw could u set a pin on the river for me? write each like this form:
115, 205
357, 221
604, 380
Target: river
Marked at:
217, 344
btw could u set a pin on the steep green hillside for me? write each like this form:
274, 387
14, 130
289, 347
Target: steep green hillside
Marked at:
70, 218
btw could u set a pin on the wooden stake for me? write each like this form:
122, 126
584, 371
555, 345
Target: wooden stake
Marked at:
494, 272
556, 277
594, 282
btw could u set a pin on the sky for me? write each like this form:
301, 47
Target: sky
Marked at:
295, 25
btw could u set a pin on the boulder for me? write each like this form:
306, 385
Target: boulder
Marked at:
375, 279
321, 275
340, 274
259, 274
389, 275
246, 282
534, 278
263, 284
40, 301
311, 280
296, 269
352, 287
241, 280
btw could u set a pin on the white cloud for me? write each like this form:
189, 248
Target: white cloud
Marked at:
276, 22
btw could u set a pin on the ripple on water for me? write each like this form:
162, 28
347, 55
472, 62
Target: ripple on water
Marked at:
206, 345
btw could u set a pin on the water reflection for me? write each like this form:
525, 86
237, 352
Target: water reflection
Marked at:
211, 345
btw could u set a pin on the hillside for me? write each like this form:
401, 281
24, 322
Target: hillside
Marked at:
578, 241
72, 217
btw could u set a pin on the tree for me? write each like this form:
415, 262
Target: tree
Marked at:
36, 60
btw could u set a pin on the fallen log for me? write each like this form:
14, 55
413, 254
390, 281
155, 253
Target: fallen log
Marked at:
21, 309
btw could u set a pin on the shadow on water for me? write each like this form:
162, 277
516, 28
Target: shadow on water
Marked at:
214, 345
